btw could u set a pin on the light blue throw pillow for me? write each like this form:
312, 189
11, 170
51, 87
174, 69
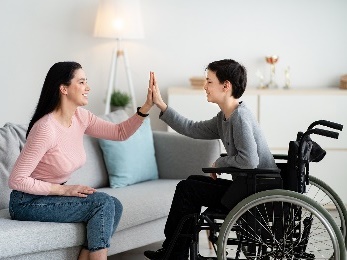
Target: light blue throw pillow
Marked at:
131, 161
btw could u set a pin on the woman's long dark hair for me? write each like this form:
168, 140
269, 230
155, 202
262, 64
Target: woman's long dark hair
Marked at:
60, 73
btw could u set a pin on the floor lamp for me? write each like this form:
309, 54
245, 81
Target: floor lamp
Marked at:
118, 54
120, 20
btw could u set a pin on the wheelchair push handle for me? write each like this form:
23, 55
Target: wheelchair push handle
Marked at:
323, 132
327, 124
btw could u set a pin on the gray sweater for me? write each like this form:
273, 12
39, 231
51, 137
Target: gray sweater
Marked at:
241, 135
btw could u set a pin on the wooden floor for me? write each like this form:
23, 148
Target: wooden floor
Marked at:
137, 254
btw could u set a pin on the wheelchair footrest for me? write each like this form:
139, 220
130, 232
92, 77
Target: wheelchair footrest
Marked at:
200, 257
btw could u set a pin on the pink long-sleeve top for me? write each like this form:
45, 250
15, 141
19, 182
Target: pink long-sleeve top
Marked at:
53, 152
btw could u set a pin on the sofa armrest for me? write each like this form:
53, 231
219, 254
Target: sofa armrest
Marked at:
179, 156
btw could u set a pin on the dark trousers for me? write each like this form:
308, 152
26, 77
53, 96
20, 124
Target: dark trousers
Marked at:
190, 195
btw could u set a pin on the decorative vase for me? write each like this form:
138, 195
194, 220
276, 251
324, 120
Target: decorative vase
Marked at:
272, 60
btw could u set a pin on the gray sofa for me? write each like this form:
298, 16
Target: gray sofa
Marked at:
146, 205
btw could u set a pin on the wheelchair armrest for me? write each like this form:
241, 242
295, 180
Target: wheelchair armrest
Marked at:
280, 156
240, 172
276, 156
247, 182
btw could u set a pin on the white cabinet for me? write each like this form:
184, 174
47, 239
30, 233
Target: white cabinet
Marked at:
281, 114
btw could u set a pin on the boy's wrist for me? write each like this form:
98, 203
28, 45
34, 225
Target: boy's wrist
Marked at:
162, 106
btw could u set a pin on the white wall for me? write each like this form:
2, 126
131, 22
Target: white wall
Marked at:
181, 38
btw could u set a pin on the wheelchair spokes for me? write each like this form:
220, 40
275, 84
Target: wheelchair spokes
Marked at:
278, 227
324, 195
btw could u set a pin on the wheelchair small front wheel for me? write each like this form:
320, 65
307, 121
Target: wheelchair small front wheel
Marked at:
279, 224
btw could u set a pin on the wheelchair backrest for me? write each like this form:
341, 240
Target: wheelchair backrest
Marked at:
295, 173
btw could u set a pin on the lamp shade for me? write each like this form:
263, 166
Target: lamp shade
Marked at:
119, 19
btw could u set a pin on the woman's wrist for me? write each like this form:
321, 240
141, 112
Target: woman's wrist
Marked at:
57, 189
145, 108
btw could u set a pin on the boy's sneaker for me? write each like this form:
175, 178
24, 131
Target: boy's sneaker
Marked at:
160, 253
155, 255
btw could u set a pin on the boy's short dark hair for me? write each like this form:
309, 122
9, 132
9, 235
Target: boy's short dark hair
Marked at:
232, 71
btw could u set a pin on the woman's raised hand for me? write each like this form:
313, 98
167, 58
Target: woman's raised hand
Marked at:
149, 100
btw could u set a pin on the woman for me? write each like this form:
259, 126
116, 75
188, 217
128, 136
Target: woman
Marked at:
54, 150
240, 133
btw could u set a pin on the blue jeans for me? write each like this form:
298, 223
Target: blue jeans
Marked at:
99, 211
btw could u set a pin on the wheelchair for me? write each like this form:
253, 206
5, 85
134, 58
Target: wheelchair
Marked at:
282, 214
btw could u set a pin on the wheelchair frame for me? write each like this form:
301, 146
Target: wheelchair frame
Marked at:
291, 211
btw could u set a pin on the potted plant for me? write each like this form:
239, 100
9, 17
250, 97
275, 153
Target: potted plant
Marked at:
119, 100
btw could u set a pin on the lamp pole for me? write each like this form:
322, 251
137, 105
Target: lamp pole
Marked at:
117, 54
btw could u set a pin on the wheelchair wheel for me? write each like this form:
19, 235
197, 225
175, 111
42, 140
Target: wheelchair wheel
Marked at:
324, 195
279, 224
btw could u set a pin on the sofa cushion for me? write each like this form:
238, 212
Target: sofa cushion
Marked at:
144, 202
179, 156
12, 139
34, 236
133, 160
